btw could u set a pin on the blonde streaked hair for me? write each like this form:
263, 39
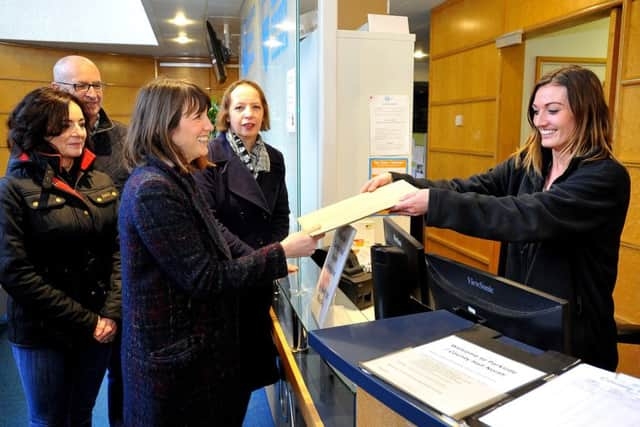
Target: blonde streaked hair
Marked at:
592, 136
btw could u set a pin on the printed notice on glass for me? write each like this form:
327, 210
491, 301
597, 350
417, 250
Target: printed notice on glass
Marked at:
452, 375
331, 272
389, 125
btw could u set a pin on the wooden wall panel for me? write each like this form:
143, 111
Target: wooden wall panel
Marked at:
524, 14
467, 75
627, 301
626, 293
631, 49
199, 76
125, 71
626, 141
28, 63
472, 251
631, 232
443, 165
477, 133
4, 158
3, 132
13, 91
460, 24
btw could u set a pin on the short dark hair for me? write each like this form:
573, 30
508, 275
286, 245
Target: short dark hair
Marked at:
222, 120
40, 114
159, 107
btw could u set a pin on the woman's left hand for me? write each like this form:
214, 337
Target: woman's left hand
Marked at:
413, 204
105, 330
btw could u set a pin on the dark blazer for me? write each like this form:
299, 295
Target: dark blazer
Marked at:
180, 350
257, 211
564, 241
59, 255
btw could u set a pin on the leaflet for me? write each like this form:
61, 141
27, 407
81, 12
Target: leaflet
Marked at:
452, 375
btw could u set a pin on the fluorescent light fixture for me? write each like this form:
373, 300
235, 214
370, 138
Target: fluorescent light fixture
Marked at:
76, 21
186, 64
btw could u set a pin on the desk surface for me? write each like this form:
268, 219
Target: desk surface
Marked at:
345, 346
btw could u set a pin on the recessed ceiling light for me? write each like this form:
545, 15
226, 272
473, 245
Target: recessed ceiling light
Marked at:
182, 39
180, 20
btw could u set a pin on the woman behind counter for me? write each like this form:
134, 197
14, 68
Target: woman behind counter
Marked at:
248, 194
59, 259
181, 356
558, 205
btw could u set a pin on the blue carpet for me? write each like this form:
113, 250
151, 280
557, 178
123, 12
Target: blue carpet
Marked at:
13, 409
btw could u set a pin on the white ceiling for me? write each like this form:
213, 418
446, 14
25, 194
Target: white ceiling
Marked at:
219, 13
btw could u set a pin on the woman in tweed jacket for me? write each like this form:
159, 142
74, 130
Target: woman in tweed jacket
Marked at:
179, 275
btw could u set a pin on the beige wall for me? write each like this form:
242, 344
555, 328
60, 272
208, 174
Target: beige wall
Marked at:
470, 76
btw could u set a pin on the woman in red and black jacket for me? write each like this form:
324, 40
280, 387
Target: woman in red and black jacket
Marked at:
59, 258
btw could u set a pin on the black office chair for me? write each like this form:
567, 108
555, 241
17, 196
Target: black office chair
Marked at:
628, 333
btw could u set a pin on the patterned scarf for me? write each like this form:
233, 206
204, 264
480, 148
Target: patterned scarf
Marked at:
257, 161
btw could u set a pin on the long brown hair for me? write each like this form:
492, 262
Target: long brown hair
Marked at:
159, 107
592, 136
222, 120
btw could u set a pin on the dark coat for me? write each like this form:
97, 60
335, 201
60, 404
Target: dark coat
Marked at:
107, 143
257, 211
180, 350
563, 241
59, 258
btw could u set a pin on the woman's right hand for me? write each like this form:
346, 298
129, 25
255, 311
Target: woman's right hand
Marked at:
300, 244
377, 181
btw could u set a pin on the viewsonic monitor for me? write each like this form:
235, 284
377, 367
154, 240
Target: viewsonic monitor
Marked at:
218, 54
513, 309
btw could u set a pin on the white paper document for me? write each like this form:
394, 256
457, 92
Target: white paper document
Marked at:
582, 396
389, 125
452, 375
355, 208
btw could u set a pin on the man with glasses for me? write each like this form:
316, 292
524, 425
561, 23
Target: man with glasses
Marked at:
80, 76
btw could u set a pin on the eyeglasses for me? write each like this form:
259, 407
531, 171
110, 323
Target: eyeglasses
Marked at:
84, 87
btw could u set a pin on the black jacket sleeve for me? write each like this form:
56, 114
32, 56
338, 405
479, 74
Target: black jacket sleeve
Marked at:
20, 278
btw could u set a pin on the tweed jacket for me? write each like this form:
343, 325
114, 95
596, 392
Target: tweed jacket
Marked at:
563, 241
257, 211
59, 255
180, 349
